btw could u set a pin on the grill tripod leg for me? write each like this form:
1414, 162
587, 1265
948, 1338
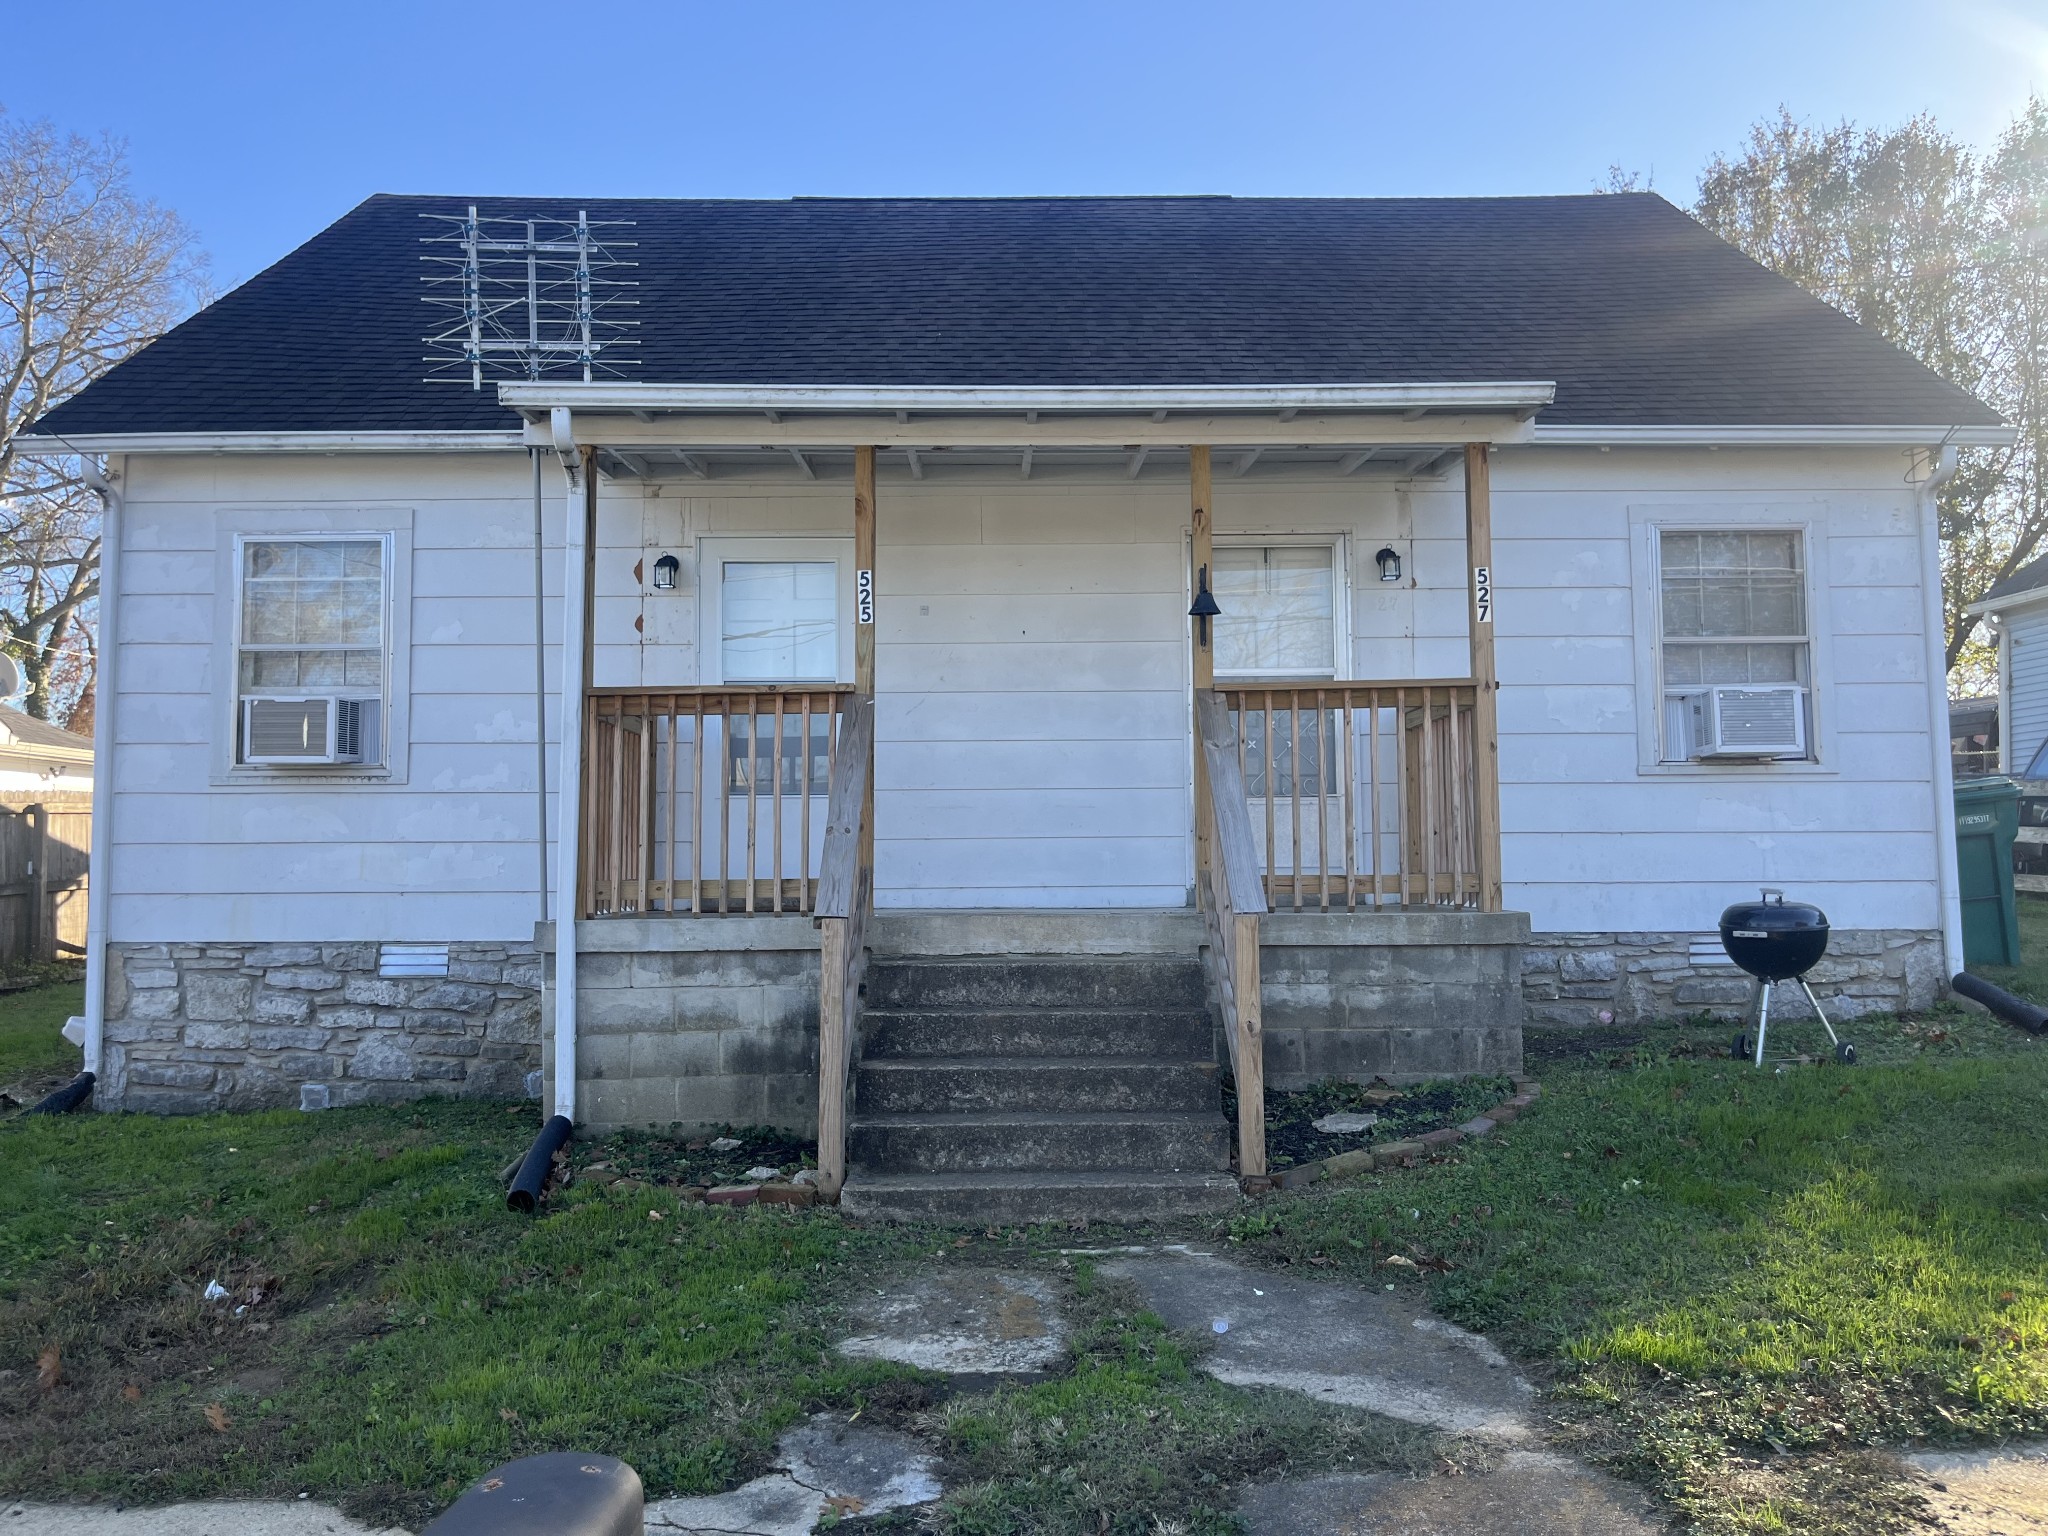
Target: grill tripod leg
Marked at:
1763, 1019
1824, 1024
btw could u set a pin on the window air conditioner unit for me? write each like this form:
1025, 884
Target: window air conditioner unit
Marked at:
1739, 721
315, 728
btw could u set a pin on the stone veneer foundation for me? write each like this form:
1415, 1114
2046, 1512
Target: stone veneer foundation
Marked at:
1572, 978
195, 1027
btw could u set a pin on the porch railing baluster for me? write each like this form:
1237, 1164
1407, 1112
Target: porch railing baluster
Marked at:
631, 864
1435, 821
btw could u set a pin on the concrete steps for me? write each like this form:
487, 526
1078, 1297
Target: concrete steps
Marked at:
1178, 1141
1036, 1089
1010, 1199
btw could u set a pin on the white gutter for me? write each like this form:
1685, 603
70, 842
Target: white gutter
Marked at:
106, 685
1947, 877
599, 395
272, 442
569, 778
2009, 603
1556, 434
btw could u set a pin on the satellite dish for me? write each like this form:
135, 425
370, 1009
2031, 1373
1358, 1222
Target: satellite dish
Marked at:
10, 676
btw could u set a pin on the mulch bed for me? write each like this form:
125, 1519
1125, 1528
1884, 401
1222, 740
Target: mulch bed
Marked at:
1291, 1136
654, 1159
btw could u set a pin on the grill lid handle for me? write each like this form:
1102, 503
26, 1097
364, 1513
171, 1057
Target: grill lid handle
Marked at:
1771, 891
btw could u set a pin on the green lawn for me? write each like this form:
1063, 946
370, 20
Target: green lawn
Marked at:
2030, 977
401, 1330
1716, 1263
32, 1053
1734, 1284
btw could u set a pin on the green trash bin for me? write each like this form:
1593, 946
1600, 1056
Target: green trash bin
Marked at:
1987, 824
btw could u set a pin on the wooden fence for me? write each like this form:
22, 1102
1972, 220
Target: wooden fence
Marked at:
44, 849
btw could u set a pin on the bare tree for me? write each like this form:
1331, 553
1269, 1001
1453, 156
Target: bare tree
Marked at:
89, 273
1945, 253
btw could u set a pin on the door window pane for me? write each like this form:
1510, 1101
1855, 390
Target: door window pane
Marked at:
779, 621
1279, 607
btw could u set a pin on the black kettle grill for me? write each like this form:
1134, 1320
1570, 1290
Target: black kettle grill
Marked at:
1778, 940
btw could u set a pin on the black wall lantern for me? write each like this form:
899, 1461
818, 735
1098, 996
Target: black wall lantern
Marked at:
1205, 607
665, 572
1389, 562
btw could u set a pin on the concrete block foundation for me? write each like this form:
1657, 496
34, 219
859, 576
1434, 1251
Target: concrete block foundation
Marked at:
1401, 995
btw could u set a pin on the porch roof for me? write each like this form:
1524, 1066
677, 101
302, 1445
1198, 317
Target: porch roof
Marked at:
1645, 321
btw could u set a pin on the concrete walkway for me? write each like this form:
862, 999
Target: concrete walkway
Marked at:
1528, 1492
2002, 1492
827, 1470
211, 1517
1376, 1350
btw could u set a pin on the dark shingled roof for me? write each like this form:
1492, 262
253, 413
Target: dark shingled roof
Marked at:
2029, 576
1638, 313
31, 732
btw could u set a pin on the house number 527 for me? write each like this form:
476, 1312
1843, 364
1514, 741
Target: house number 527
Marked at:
864, 596
1482, 593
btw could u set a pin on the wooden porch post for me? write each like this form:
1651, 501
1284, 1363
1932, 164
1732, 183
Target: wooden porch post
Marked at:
1486, 683
1202, 555
864, 622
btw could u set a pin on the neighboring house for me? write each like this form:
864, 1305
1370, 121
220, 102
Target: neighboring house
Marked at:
1572, 577
41, 761
2016, 608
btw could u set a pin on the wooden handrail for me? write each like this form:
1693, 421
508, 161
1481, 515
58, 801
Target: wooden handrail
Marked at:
698, 800
1235, 899
1374, 793
846, 886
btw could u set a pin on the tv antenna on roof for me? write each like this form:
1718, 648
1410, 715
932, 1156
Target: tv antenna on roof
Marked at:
529, 299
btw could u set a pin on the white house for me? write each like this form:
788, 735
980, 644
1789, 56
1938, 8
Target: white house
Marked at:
2017, 610
41, 761
1572, 578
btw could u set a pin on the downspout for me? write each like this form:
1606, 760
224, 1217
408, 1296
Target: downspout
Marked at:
99, 896
527, 1184
1947, 878
540, 685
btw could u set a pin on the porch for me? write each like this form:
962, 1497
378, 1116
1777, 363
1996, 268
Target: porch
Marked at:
1342, 892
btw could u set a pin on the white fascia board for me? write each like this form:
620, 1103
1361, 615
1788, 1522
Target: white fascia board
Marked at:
35, 444
1559, 434
2029, 598
609, 395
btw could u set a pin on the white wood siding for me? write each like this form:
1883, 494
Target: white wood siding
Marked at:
1032, 678
2026, 724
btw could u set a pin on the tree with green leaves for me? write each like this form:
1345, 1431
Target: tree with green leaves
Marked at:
1944, 252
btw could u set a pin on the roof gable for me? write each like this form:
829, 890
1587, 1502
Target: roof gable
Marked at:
1640, 315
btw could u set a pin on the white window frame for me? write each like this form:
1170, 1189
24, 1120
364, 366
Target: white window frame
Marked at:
1340, 600
1647, 526
712, 553
234, 531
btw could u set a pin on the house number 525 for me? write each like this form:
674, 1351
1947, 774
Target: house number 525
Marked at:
864, 596
1482, 593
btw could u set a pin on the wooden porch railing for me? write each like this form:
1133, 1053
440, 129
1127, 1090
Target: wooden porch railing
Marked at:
700, 800
846, 898
1233, 899
1368, 794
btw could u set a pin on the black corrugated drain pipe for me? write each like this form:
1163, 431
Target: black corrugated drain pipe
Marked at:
532, 1177
2014, 1010
67, 1098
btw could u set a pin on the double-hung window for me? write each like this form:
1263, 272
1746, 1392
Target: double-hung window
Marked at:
1279, 623
312, 648
1734, 643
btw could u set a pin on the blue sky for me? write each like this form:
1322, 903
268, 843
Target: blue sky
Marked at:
263, 122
